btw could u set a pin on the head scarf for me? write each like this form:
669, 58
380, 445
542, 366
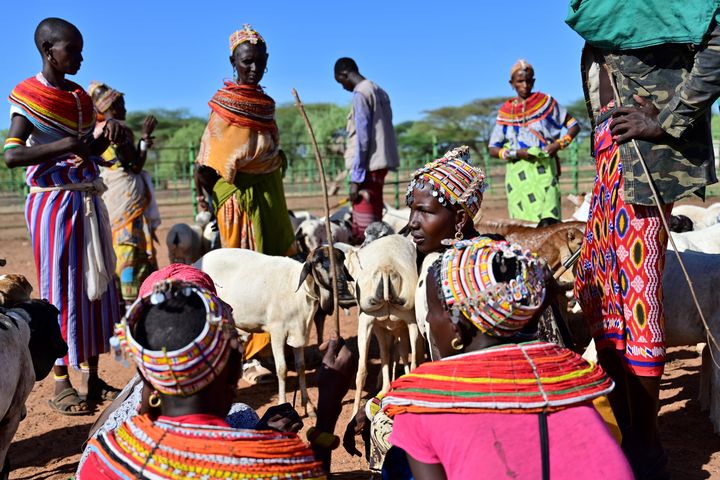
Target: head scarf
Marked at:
178, 271
520, 65
452, 180
191, 368
469, 289
105, 100
247, 34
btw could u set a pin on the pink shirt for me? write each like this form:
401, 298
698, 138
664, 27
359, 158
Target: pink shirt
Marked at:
497, 445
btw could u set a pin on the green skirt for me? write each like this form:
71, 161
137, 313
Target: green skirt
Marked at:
533, 191
262, 199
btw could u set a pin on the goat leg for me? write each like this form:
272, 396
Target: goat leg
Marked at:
300, 369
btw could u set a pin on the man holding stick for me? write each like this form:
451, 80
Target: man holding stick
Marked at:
370, 149
664, 58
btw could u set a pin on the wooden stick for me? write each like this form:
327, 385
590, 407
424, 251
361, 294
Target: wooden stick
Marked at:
333, 267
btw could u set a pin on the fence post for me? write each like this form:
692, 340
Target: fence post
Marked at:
397, 188
575, 168
191, 164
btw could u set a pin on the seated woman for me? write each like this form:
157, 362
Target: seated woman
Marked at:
185, 345
525, 406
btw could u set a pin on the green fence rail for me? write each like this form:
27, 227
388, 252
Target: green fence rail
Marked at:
171, 171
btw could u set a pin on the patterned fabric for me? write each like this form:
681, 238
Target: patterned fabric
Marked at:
619, 274
245, 105
240, 143
367, 211
516, 378
134, 218
55, 218
239, 416
189, 369
252, 213
532, 187
51, 110
167, 449
247, 34
452, 180
678, 167
105, 100
469, 288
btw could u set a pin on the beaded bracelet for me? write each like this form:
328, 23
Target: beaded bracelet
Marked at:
322, 439
564, 141
13, 142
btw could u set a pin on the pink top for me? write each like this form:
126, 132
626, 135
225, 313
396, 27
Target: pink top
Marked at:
498, 445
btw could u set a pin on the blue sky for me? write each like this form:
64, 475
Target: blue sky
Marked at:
426, 54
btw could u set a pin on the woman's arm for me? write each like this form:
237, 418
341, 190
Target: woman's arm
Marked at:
23, 156
145, 143
509, 155
426, 471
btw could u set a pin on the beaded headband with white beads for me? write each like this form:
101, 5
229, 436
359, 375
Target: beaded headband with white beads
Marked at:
452, 181
191, 368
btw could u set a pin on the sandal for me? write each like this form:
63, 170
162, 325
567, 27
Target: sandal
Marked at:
256, 374
69, 403
99, 391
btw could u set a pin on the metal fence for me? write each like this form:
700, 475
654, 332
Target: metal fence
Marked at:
171, 170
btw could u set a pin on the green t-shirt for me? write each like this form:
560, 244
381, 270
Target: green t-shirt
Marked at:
630, 24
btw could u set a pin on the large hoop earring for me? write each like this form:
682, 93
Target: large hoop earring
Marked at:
458, 233
456, 344
154, 401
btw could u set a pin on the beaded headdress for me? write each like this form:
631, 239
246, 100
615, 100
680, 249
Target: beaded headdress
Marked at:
246, 34
189, 369
106, 99
469, 288
452, 181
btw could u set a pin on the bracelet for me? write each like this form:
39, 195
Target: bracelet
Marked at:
322, 439
511, 155
564, 141
13, 142
502, 153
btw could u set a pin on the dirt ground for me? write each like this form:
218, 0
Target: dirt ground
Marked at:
47, 445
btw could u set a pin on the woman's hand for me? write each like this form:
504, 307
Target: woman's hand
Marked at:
207, 177
523, 154
77, 146
115, 132
283, 418
636, 122
147, 130
552, 148
359, 425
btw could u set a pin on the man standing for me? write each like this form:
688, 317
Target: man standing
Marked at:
664, 57
370, 149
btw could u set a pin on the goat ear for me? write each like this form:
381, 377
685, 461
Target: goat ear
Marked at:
307, 267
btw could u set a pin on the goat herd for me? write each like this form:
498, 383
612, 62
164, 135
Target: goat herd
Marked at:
286, 296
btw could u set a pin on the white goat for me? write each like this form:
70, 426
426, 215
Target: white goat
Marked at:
706, 240
311, 233
277, 295
702, 217
396, 218
386, 279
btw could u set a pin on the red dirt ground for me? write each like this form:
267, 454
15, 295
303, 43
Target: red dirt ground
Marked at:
48, 445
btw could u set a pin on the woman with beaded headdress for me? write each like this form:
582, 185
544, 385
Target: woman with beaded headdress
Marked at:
528, 136
134, 214
240, 167
239, 163
444, 198
519, 405
184, 343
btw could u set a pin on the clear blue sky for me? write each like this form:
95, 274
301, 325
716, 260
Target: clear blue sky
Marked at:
426, 54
